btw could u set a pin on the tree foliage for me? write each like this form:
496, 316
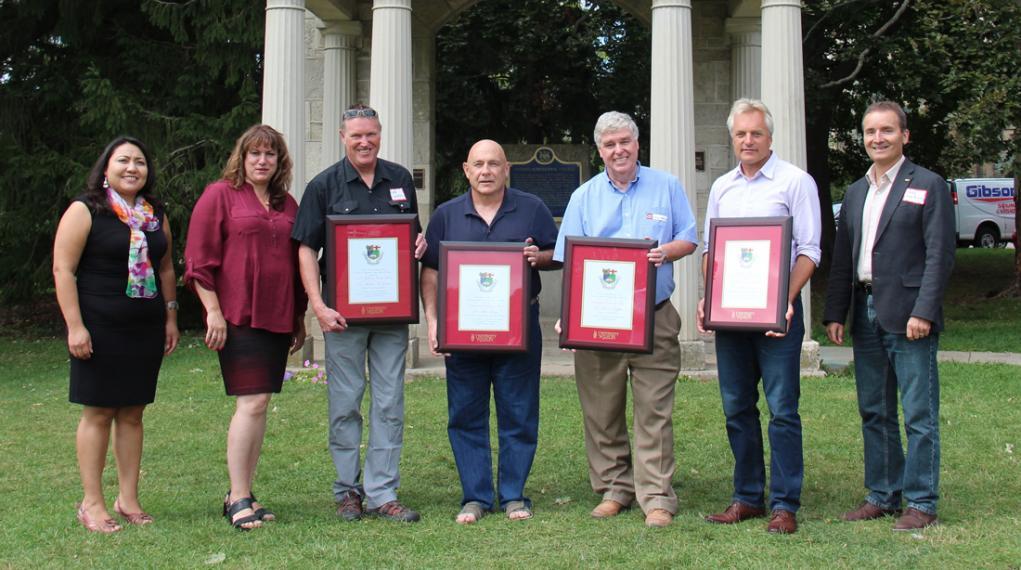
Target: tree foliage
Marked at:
184, 77
534, 71
951, 64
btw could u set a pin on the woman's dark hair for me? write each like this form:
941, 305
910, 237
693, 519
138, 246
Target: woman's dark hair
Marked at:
255, 137
95, 194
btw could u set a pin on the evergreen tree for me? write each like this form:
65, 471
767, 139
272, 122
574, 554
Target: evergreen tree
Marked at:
183, 77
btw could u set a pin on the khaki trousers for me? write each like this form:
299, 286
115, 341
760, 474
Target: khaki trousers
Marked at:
602, 379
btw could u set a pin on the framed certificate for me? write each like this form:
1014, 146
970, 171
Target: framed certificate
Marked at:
484, 294
609, 295
371, 270
747, 274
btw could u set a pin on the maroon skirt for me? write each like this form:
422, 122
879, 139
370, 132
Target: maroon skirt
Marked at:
253, 361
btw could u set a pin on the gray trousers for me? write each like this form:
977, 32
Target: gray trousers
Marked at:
346, 352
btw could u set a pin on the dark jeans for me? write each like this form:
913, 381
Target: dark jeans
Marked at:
514, 379
885, 363
742, 358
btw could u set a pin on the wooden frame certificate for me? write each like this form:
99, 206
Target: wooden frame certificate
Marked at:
609, 293
371, 270
484, 291
747, 274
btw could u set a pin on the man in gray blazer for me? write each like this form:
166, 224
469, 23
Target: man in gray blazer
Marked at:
892, 257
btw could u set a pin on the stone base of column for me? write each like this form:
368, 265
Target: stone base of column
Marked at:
411, 359
692, 356
810, 360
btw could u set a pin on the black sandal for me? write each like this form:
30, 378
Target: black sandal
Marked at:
263, 513
235, 508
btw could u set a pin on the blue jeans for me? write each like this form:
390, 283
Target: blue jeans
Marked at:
885, 363
514, 379
742, 358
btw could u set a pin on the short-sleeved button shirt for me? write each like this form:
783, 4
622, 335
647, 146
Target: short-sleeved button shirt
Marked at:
340, 190
653, 207
521, 216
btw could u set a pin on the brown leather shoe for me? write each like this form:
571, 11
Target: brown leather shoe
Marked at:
735, 513
782, 522
350, 507
914, 519
867, 511
659, 518
608, 508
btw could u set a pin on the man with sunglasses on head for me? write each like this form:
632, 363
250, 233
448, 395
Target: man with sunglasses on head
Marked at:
360, 184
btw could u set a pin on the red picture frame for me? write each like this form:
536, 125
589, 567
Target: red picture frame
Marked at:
371, 270
484, 291
609, 295
748, 274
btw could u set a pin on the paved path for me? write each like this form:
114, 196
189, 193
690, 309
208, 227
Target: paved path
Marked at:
556, 362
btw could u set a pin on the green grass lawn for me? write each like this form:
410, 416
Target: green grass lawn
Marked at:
975, 320
184, 479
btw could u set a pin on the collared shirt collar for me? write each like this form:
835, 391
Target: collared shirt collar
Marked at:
630, 185
768, 169
890, 174
509, 204
351, 173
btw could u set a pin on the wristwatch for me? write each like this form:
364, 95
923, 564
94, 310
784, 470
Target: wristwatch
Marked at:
173, 305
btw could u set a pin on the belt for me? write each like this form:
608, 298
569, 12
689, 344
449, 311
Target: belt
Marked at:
534, 301
662, 303
867, 287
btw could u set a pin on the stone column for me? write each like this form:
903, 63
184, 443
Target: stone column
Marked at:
283, 101
672, 140
283, 85
339, 45
745, 57
390, 78
783, 91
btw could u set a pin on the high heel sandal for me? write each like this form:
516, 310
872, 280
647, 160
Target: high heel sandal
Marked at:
140, 518
107, 526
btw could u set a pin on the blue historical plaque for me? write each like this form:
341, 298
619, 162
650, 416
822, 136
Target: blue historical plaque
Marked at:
547, 177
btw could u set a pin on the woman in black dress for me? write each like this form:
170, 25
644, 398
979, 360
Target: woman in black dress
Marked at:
117, 291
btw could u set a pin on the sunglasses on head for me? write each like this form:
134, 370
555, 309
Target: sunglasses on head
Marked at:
363, 112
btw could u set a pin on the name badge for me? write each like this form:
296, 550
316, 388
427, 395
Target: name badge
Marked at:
915, 196
655, 217
397, 195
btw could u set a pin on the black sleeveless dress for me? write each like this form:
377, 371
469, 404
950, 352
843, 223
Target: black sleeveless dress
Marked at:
128, 334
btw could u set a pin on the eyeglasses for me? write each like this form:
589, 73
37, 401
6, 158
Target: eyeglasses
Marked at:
361, 112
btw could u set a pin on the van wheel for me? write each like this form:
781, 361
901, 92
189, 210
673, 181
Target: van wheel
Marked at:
986, 237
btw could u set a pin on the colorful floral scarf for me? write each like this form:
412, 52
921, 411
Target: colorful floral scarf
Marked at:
141, 218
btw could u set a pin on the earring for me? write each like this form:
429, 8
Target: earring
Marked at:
106, 183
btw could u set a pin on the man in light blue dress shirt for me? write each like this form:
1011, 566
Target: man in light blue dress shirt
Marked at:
629, 200
763, 185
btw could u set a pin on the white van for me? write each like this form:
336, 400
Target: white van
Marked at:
985, 211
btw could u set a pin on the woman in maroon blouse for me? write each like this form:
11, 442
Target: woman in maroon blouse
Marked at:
243, 266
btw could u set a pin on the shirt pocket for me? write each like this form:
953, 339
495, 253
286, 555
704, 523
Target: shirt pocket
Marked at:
287, 220
654, 222
245, 222
344, 207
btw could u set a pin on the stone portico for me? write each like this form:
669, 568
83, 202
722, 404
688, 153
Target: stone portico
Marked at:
323, 55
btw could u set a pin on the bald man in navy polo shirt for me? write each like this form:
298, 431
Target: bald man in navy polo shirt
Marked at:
492, 212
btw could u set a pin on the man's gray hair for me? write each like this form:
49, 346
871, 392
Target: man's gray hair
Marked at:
746, 105
613, 121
